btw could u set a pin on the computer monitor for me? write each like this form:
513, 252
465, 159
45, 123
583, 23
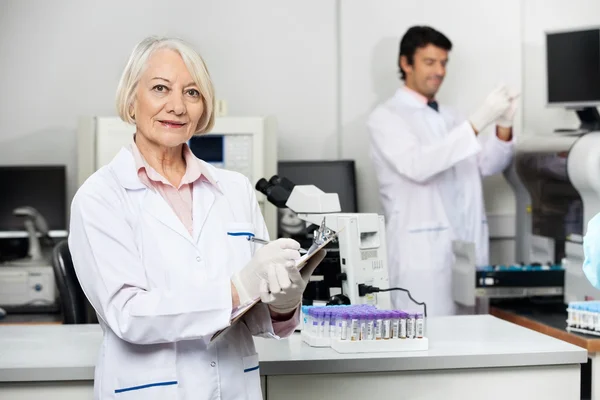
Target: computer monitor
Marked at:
573, 65
337, 176
41, 187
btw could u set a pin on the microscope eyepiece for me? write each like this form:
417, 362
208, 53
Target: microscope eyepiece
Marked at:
262, 185
282, 181
277, 195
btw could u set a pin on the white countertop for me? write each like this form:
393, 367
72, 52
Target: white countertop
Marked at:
69, 352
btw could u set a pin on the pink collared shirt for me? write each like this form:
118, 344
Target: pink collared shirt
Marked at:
180, 200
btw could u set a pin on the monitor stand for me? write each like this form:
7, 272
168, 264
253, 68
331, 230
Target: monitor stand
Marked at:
590, 121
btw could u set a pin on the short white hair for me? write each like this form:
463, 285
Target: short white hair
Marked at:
137, 65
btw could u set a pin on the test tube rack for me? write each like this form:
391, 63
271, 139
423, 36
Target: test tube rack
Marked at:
314, 341
584, 317
366, 346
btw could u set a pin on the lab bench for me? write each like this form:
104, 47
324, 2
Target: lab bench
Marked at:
551, 320
469, 357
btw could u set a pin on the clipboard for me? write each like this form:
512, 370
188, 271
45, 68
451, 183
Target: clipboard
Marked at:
243, 309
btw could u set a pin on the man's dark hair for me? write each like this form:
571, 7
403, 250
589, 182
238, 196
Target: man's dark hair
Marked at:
418, 37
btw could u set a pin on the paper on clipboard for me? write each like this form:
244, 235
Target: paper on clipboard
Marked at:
300, 263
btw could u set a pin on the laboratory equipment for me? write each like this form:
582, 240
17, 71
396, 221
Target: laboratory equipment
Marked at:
363, 328
557, 190
34, 223
331, 176
361, 241
563, 185
32, 212
573, 74
28, 284
243, 144
28, 288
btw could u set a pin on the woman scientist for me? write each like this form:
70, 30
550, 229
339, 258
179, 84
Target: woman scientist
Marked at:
159, 243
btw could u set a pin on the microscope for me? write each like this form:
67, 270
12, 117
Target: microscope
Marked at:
361, 240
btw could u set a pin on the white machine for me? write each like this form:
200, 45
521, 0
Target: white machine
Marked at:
244, 144
27, 287
557, 188
28, 284
361, 239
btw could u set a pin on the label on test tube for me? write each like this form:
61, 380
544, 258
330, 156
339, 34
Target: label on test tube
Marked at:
355, 328
344, 329
420, 326
410, 326
371, 329
363, 327
403, 320
395, 325
386, 326
333, 325
325, 324
378, 327
315, 324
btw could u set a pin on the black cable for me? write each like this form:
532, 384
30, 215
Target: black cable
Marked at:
410, 297
365, 289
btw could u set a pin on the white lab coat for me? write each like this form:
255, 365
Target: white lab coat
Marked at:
429, 166
161, 293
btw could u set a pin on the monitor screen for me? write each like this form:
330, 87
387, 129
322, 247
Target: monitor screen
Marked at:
329, 176
573, 67
209, 148
41, 187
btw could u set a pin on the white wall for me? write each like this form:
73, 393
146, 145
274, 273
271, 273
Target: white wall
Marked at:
541, 16
61, 59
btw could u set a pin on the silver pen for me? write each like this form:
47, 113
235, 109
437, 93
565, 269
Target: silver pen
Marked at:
263, 241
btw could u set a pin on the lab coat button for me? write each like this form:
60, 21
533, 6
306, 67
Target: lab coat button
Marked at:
213, 364
198, 258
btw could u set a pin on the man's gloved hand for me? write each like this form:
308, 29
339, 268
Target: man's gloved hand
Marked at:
507, 117
288, 299
495, 104
270, 264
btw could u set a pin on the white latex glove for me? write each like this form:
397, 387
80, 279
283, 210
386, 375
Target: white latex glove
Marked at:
495, 104
288, 299
506, 119
269, 264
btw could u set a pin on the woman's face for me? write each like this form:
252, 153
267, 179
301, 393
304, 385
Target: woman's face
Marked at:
167, 105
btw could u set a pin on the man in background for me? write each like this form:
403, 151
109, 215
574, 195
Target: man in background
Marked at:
429, 163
